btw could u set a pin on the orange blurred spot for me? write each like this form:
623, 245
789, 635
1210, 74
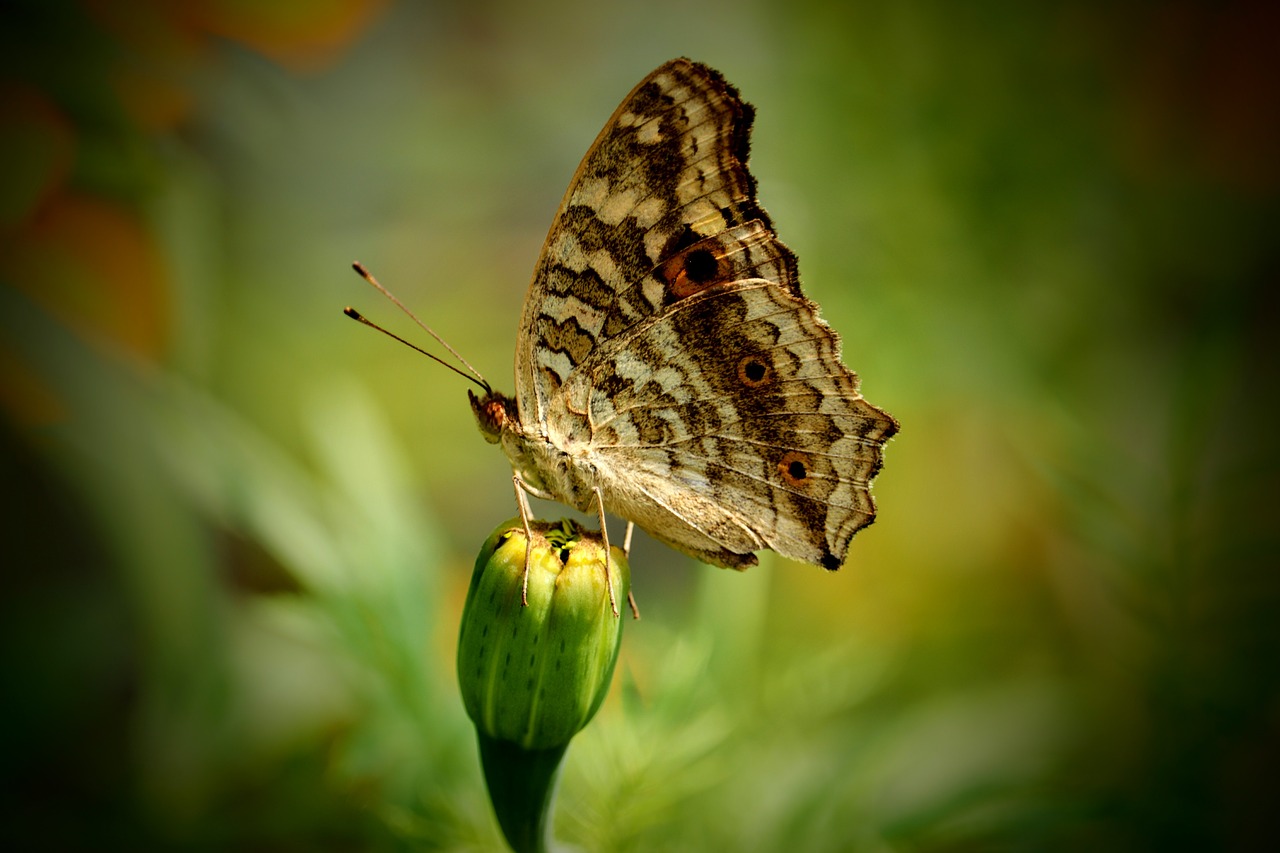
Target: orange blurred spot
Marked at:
91, 264
160, 54
302, 35
153, 31
154, 102
37, 139
166, 41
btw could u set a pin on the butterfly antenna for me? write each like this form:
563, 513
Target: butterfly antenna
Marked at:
474, 374
356, 315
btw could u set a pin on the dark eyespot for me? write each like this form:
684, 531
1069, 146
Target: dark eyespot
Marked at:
794, 468
700, 266
753, 371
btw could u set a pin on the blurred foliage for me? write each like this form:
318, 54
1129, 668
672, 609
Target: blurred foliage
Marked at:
239, 528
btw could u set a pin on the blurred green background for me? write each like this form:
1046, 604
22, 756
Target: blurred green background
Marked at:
238, 527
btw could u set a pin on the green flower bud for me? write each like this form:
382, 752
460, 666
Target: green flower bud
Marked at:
532, 676
535, 675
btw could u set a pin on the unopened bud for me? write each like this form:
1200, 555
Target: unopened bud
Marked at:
532, 676
535, 675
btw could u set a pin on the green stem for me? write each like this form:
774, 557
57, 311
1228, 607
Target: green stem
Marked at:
522, 788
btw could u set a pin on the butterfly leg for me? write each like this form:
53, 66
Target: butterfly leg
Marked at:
604, 531
626, 549
522, 502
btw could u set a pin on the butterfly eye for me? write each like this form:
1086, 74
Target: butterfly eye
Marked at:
754, 372
794, 468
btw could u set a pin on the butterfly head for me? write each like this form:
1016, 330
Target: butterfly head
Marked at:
494, 413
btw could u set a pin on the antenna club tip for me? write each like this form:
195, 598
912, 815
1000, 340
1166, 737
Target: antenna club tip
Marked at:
352, 313
359, 267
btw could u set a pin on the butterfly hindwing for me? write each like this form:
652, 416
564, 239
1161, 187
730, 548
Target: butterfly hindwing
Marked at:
739, 392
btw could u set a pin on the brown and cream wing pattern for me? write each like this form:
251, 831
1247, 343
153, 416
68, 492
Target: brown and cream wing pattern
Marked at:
666, 338
667, 170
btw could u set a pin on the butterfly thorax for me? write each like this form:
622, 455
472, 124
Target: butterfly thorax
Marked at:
546, 470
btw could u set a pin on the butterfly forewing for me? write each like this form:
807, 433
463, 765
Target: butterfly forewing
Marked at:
667, 170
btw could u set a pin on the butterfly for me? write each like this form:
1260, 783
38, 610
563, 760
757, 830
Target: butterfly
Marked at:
668, 368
